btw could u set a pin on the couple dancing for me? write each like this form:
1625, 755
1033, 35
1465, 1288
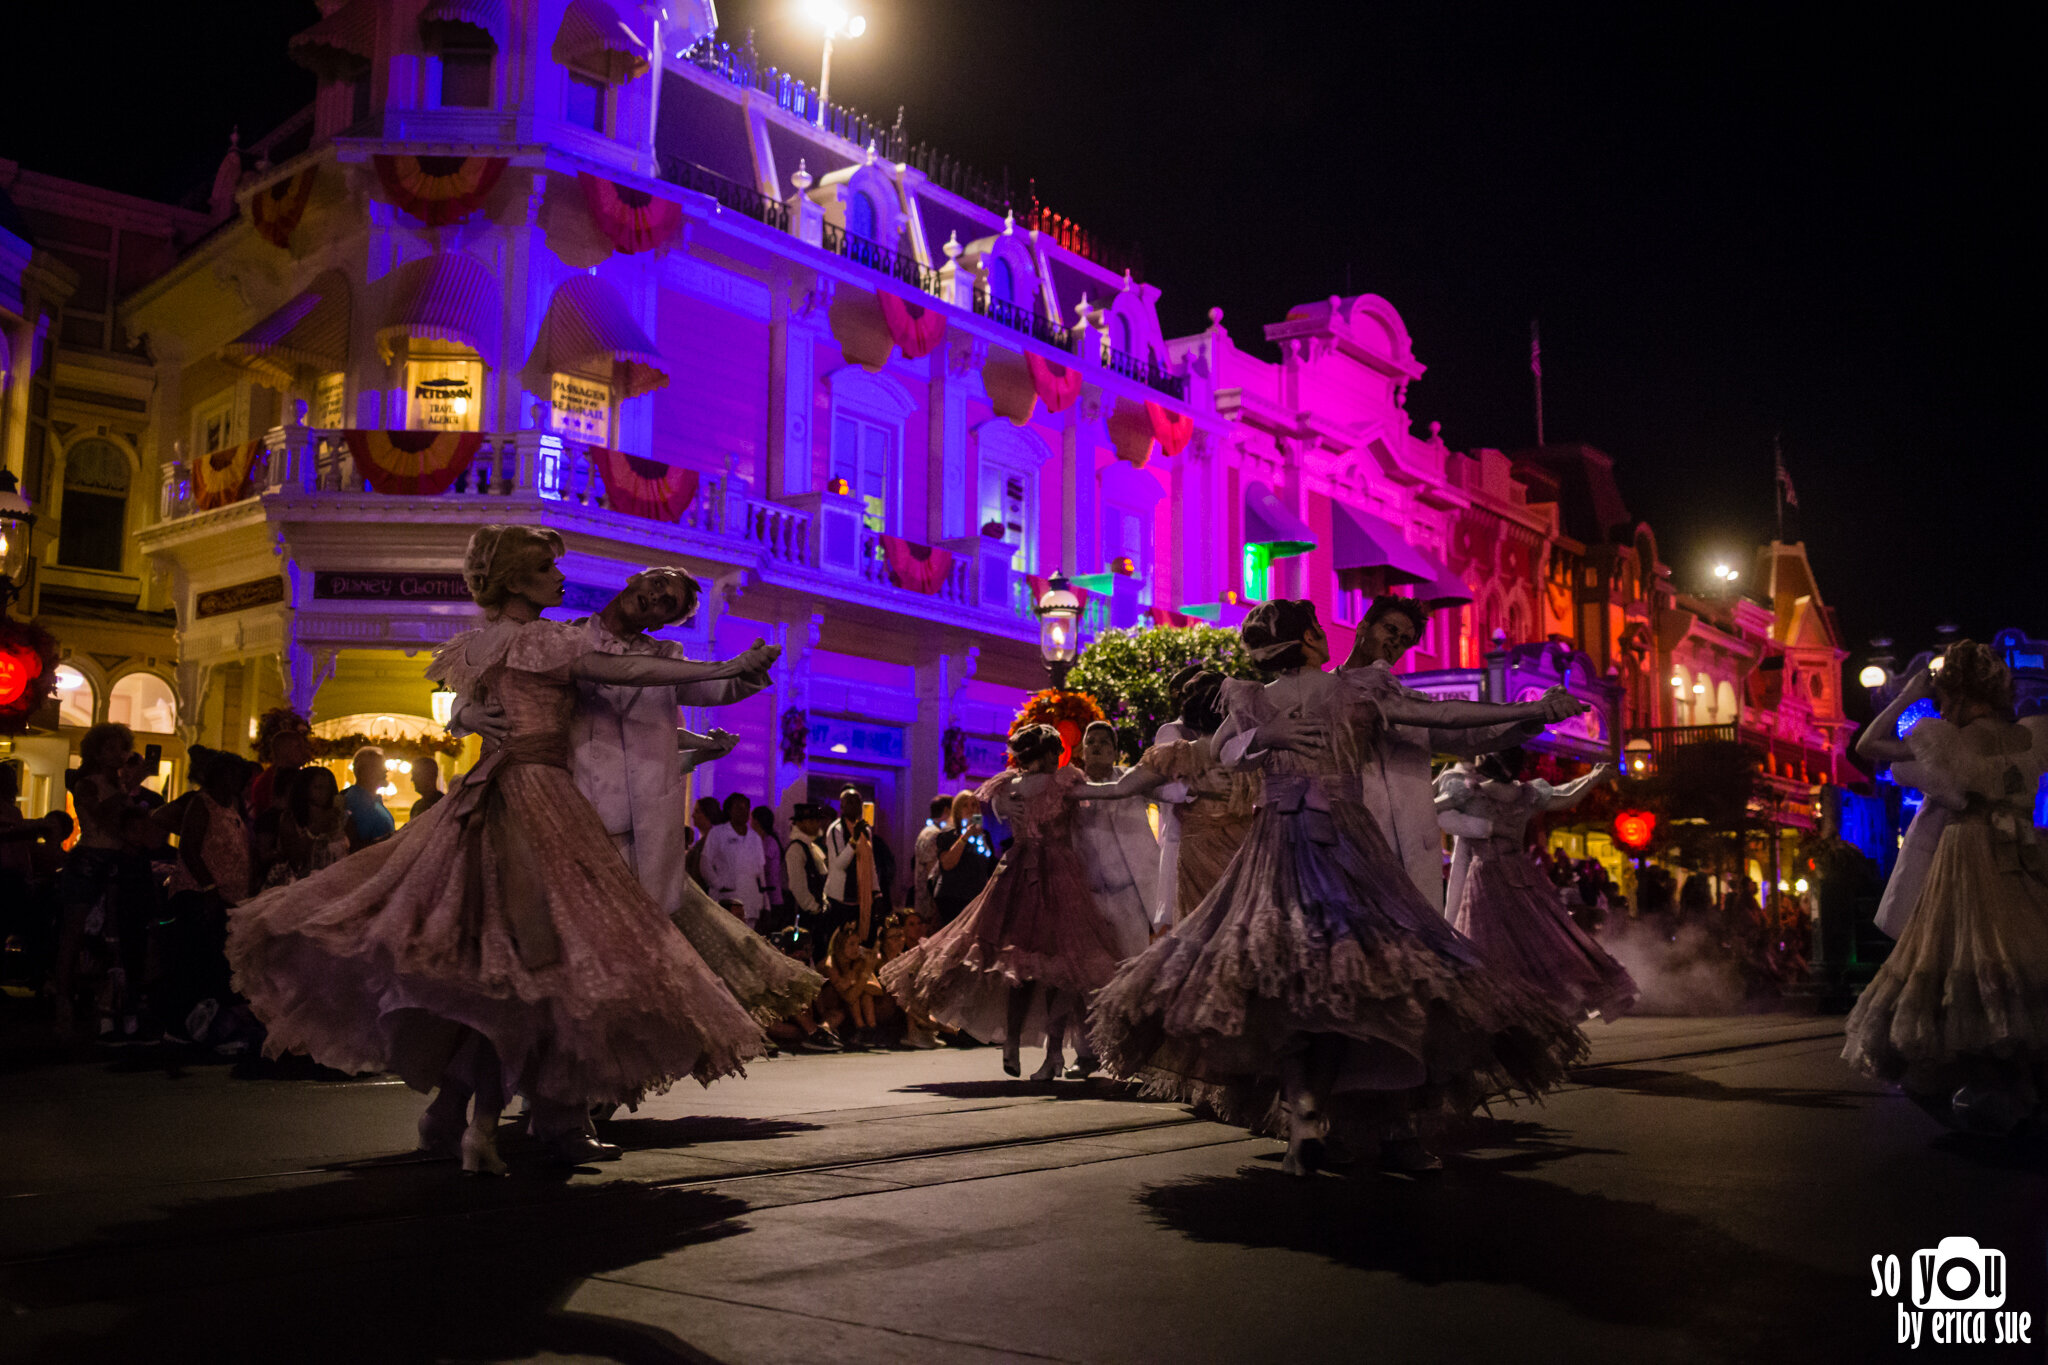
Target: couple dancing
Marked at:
513, 940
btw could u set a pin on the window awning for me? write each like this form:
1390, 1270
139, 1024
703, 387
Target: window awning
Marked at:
488, 15
341, 45
1268, 522
1444, 588
592, 39
589, 330
449, 296
1360, 540
310, 331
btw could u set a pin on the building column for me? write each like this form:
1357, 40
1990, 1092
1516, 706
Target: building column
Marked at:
792, 692
792, 385
949, 495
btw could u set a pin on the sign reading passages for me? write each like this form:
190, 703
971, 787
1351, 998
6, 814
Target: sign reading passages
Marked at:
580, 409
390, 587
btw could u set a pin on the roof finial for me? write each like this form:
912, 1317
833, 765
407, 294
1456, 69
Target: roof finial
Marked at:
1009, 221
871, 151
802, 178
953, 245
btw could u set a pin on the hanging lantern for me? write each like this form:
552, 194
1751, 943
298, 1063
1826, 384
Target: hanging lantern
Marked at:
1059, 628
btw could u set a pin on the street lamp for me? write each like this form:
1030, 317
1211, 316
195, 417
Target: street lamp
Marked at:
1873, 675
17, 519
837, 23
443, 702
1059, 628
1638, 759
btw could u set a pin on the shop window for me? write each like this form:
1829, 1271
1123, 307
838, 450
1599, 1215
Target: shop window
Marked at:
94, 529
864, 455
443, 393
75, 699
144, 703
213, 425
1006, 503
586, 101
1349, 597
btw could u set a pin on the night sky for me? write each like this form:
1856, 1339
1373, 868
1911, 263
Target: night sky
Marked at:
1729, 227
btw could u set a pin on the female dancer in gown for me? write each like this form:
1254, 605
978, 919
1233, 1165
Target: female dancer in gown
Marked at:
1201, 830
1958, 1014
499, 944
1019, 963
1507, 907
1314, 966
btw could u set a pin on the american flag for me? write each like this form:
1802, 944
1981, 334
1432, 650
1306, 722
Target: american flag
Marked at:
1785, 490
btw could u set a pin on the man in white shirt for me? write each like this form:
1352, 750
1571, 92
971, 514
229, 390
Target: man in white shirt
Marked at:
843, 842
733, 861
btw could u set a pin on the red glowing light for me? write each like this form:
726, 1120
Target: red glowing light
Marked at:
1635, 828
18, 668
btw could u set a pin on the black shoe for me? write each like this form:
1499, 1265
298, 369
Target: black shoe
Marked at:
825, 1040
580, 1148
1083, 1068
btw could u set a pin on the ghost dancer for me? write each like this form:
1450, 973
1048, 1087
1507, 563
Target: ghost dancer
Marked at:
1315, 967
499, 945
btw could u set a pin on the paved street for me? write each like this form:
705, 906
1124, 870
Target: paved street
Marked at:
1706, 1190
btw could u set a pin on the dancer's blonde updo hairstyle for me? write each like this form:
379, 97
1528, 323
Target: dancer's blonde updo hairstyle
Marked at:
499, 555
1972, 672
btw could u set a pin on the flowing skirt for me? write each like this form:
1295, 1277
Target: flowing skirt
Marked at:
1209, 838
1316, 929
1965, 991
769, 985
1035, 921
522, 924
1521, 926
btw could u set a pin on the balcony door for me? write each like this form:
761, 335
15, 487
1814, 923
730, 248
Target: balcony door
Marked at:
864, 454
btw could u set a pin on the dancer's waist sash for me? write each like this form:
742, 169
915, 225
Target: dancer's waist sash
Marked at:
2015, 845
546, 751
523, 893
1310, 798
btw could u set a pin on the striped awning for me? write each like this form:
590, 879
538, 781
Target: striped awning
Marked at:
1360, 540
1267, 521
450, 296
589, 330
310, 331
592, 39
488, 15
1444, 588
341, 45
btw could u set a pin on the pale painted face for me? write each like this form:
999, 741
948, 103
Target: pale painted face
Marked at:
650, 601
541, 585
1098, 751
1386, 639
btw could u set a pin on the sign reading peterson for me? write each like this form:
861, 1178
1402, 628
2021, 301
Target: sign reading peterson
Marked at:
342, 586
257, 592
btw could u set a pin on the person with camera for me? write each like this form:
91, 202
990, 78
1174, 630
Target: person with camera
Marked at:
850, 871
964, 858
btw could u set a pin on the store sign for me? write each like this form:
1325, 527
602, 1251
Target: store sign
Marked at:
327, 411
579, 408
390, 587
1447, 684
988, 756
257, 592
443, 395
849, 739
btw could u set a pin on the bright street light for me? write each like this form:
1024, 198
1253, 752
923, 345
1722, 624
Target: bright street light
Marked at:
1873, 675
838, 23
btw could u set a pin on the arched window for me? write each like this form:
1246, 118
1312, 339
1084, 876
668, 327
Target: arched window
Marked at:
1002, 284
1121, 335
94, 528
1703, 701
860, 215
144, 703
75, 699
1725, 712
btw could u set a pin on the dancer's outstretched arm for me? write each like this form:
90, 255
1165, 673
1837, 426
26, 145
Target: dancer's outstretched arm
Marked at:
698, 749
1551, 707
1573, 792
646, 670
1136, 782
1880, 742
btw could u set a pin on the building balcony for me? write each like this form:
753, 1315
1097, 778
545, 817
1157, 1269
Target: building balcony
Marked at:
818, 545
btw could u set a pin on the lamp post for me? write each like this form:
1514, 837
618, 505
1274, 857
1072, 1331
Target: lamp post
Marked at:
837, 23
17, 519
443, 702
1059, 629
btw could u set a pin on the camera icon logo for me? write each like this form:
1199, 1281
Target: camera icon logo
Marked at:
1958, 1274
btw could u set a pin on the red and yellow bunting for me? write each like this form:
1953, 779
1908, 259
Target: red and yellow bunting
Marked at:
1173, 430
412, 463
439, 190
276, 209
1056, 385
631, 220
914, 567
226, 476
915, 329
645, 488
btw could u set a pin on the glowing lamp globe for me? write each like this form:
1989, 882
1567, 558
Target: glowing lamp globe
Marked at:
1873, 675
1059, 627
443, 702
17, 519
1635, 828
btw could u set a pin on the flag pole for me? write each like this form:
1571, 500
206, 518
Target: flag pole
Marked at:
1536, 375
1778, 480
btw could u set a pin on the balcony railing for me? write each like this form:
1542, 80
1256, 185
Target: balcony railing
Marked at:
545, 469
875, 256
1666, 740
1021, 318
1146, 372
729, 193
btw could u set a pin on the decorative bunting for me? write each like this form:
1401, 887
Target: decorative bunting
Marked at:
227, 476
439, 190
276, 209
915, 567
1173, 430
914, 328
1167, 616
1056, 385
412, 462
632, 220
644, 488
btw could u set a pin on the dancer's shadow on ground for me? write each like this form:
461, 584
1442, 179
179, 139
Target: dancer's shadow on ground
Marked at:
1094, 1088
637, 1133
1685, 1085
1480, 1221
390, 1264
